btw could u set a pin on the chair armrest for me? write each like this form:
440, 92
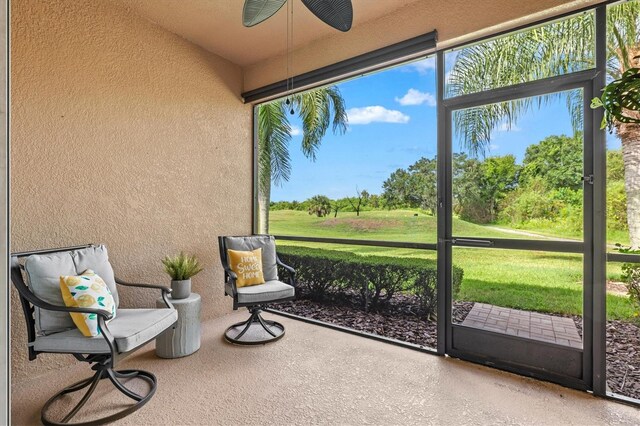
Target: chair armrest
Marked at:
289, 269
141, 285
36, 301
165, 290
232, 278
26, 293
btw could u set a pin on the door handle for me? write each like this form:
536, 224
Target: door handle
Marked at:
471, 242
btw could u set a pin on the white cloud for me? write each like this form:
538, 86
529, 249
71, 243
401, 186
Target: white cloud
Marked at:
424, 65
493, 147
505, 127
416, 97
376, 114
295, 131
429, 64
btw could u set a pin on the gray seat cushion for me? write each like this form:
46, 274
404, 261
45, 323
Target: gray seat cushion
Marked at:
267, 292
43, 275
131, 328
268, 245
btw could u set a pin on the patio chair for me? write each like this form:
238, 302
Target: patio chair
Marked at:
50, 328
256, 330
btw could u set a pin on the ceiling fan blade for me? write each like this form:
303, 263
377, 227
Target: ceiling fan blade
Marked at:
336, 13
256, 11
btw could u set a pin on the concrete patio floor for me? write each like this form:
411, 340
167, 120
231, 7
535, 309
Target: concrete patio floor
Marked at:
317, 375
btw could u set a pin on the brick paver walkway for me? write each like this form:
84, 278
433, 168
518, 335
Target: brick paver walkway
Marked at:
532, 325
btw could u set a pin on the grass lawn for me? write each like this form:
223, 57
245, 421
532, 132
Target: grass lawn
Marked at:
539, 281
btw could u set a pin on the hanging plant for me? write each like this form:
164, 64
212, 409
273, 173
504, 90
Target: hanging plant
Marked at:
620, 100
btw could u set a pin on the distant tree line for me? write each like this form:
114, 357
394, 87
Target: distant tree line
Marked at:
546, 187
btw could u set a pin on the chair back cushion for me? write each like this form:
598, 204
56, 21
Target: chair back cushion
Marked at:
268, 245
87, 290
96, 258
43, 275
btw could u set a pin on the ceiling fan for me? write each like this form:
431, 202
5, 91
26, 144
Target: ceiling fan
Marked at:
336, 13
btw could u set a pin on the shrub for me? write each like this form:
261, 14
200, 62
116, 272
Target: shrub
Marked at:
314, 271
375, 278
631, 276
616, 206
529, 203
319, 205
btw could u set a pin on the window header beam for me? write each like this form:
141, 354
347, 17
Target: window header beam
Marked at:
370, 61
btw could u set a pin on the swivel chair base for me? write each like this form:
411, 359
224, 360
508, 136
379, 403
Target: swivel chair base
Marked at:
254, 331
102, 372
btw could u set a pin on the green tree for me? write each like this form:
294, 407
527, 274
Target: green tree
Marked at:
396, 189
499, 177
358, 201
338, 205
318, 109
480, 186
320, 205
424, 180
468, 202
414, 187
558, 159
615, 166
556, 48
374, 201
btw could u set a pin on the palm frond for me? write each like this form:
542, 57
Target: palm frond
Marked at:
318, 109
274, 135
558, 48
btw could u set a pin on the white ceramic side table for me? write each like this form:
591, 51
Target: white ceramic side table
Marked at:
184, 337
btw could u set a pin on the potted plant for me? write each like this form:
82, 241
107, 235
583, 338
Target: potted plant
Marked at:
181, 268
620, 99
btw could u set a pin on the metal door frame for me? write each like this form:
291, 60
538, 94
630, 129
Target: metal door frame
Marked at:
593, 247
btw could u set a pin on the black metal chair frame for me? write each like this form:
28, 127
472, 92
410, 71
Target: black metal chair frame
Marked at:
102, 364
230, 278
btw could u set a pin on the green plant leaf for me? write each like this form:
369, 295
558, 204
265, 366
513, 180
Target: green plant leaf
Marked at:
182, 266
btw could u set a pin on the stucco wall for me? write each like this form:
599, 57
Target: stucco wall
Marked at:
4, 300
123, 134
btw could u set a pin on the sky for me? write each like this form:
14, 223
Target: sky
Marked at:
392, 124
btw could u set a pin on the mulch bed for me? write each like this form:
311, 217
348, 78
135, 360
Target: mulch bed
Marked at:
400, 320
623, 358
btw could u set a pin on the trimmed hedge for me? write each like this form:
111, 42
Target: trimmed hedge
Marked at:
375, 278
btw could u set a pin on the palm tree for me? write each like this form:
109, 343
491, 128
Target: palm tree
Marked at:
553, 49
316, 108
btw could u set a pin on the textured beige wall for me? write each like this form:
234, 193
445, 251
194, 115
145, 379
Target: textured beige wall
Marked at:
455, 21
4, 300
123, 134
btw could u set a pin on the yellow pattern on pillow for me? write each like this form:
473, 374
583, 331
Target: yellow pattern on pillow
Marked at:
87, 290
247, 265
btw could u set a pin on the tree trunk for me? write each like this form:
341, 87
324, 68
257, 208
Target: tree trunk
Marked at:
629, 134
264, 199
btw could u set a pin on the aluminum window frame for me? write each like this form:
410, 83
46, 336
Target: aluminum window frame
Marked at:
591, 81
